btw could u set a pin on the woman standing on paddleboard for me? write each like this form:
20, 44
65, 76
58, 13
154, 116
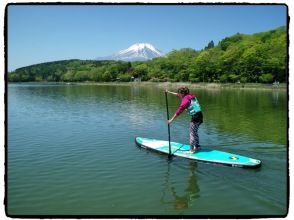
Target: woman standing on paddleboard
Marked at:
191, 104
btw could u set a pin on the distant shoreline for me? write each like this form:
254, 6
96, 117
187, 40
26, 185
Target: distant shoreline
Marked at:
174, 85
257, 86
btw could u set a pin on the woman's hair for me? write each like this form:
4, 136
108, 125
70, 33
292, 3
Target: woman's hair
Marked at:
183, 90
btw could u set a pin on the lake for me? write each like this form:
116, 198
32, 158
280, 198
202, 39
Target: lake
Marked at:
71, 151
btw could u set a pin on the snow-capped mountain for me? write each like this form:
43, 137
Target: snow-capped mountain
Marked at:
136, 52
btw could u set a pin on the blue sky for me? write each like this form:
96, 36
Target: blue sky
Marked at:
42, 33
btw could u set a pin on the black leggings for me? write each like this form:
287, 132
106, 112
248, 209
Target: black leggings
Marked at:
196, 121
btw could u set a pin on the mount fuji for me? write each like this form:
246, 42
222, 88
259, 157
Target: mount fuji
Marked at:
136, 52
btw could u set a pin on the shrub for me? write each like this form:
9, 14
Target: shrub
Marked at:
266, 78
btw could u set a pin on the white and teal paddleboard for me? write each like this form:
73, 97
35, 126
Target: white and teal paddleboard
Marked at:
203, 155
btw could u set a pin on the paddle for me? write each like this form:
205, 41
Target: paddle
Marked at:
167, 113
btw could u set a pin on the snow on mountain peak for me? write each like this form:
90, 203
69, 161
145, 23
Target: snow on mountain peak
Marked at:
140, 46
137, 52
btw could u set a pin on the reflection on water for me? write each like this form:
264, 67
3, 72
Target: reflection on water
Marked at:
275, 97
261, 115
178, 197
71, 151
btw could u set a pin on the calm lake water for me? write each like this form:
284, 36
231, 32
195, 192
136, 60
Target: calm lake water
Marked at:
71, 151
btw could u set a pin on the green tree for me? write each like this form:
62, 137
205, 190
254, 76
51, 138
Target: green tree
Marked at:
209, 46
266, 78
238, 57
141, 71
205, 66
251, 62
124, 77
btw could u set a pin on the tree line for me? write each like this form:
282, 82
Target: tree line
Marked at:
260, 57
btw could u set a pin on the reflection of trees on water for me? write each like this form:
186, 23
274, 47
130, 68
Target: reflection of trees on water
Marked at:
180, 198
261, 115
275, 97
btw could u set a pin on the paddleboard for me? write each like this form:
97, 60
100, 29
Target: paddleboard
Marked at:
202, 155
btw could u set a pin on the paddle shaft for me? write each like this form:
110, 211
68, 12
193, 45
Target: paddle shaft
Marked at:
167, 114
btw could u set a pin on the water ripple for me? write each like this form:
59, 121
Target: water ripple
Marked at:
71, 150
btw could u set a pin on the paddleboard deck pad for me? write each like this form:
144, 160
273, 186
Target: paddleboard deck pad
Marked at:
202, 155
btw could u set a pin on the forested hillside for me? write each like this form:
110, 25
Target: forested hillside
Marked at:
261, 57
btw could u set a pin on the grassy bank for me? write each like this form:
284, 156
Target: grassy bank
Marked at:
175, 85
224, 85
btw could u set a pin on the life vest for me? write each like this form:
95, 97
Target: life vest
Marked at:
194, 107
